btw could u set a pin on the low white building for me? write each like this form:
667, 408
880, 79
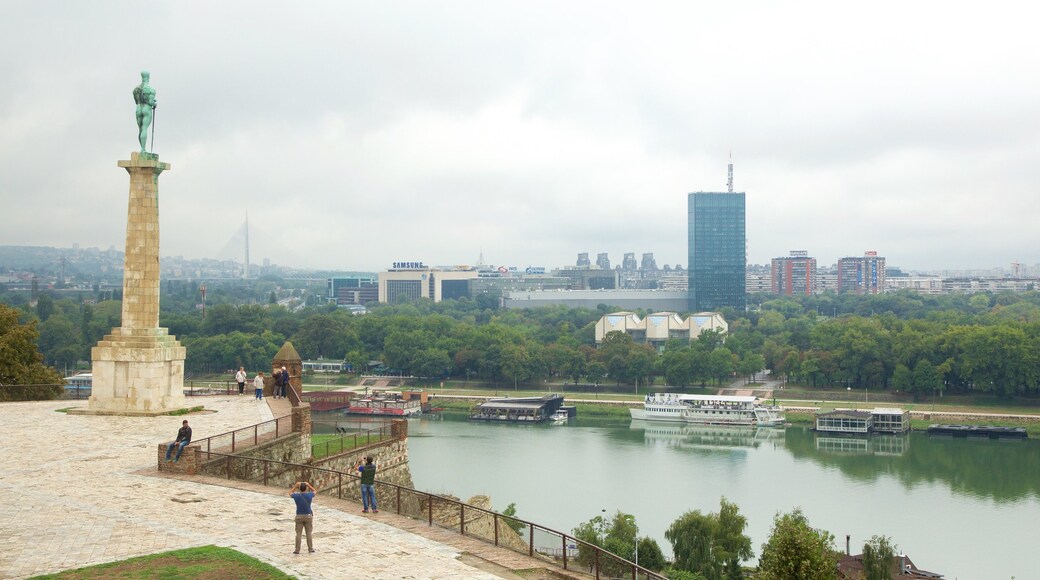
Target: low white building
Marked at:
658, 328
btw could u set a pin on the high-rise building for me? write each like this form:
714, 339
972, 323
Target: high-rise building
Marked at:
795, 274
629, 262
864, 275
648, 263
583, 260
603, 261
718, 250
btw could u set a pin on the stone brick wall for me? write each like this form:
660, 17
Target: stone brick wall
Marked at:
391, 459
291, 448
190, 461
301, 418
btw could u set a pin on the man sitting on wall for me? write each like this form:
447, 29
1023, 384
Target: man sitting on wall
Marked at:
183, 438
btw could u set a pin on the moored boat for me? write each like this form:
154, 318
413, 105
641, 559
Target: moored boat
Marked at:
708, 410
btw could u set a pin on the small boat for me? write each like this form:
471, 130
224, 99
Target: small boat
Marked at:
708, 410
559, 416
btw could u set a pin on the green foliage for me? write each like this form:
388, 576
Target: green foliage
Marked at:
21, 362
796, 551
985, 343
514, 525
617, 536
879, 558
650, 555
710, 544
188, 411
676, 574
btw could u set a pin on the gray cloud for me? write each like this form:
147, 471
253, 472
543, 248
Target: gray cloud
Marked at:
356, 134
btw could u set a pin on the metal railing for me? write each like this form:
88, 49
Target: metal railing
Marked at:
246, 437
206, 388
42, 392
339, 444
492, 527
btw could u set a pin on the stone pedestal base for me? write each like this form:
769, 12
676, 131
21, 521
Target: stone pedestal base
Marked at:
137, 372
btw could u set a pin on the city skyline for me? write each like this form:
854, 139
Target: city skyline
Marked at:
356, 135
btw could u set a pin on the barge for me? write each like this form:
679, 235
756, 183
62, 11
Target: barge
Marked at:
987, 431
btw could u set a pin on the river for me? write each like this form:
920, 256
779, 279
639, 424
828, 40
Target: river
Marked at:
969, 509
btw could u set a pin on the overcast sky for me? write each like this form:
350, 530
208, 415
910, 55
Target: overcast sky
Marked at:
356, 134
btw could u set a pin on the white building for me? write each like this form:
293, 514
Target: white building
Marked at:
658, 328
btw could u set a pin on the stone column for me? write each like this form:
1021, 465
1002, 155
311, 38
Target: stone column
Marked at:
139, 368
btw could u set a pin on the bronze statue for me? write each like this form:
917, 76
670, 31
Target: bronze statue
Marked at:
144, 97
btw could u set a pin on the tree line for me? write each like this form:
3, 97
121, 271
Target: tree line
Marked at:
713, 546
923, 345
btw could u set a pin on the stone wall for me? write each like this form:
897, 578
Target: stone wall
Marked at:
478, 523
391, 459
191, 459
291, 448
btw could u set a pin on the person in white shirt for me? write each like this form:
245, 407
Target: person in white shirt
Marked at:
240, 378
258, 384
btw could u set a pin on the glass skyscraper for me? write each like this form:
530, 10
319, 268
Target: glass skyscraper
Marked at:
718, 251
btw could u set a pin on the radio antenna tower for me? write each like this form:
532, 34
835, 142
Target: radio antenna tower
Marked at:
246, 271
729, 180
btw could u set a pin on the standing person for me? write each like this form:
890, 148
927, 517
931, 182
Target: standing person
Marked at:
303, 494
258, 384
368, 485
284, 384
240, 378
183, 438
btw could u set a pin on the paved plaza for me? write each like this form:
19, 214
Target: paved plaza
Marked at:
82, 490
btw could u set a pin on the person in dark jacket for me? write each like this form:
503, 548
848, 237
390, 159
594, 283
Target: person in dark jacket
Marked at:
368, 485
183, 438
283, 383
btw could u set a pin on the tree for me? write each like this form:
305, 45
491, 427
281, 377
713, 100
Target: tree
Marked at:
44, 306
650, 555
514, 525
433, 363
879, 555
59, 341
617, 536
321, 335
796, 551
926, 378
751, 364
903, 379
21, 362
710, 544
515, 362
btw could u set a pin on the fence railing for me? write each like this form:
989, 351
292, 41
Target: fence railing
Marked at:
339, 444
42, 392
204, 388
246, 437
519, 535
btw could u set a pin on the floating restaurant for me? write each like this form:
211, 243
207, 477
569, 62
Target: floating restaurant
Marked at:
519, 409
881, 420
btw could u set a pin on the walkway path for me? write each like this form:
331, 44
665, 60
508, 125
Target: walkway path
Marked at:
82, 490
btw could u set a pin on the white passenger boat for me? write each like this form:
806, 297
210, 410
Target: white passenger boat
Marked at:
708, 410
559, 417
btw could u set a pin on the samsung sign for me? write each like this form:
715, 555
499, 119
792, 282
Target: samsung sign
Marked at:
409, 266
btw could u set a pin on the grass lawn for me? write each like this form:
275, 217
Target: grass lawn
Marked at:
332, 444
205, 562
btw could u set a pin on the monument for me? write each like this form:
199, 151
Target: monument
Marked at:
139, 368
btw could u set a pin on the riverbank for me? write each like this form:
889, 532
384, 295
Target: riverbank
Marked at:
920, 420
